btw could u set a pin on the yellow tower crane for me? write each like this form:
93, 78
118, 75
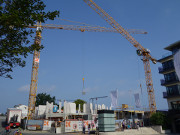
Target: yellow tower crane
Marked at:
36, 57
34, 74
140, 49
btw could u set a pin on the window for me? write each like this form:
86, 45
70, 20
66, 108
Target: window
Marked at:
170, 77
178, 88
173, 90
175, 105
168, 65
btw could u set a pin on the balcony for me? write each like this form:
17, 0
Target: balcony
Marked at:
164, 94
175, 93
160, 69
164, 83
165, 56
163, 70
173, 111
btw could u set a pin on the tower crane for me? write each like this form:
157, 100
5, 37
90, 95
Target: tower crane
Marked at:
96, 98
36, 56
34, 74
145, 53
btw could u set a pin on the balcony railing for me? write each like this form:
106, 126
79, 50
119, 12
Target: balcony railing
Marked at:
161, 69
163, 82
175, 93
174, 111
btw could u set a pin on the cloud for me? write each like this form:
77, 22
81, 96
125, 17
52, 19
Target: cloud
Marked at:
126, 93
46, 89
91, 89
24, 88
53, 87
121, 82
168, 11
122, 93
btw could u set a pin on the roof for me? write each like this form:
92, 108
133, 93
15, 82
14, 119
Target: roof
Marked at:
172, 46
14, 109
165, 58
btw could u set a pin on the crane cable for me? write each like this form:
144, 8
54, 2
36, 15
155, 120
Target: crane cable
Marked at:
82, 55
84, 24
140, 85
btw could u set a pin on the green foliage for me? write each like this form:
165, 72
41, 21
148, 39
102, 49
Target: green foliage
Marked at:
15, 16
159, 118
42, 98
81, 102
2, 114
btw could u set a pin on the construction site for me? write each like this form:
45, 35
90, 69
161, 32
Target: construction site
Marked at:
121, 104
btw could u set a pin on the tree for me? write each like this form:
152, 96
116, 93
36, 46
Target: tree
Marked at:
81, 102
2, 114
15, 16
42, 98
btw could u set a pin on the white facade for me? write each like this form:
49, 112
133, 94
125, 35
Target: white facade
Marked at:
24, 109
91, 108
60, 105
40, 111
84, 108
103, 106
13, 114
79, 110
87, 108
69, 107
99, 107
49, 107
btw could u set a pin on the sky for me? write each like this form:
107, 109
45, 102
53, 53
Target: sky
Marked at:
107, 61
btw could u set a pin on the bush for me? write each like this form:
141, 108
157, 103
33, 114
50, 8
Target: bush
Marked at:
159, 118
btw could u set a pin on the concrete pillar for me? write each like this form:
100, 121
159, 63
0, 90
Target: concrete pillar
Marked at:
79, 110
60, 104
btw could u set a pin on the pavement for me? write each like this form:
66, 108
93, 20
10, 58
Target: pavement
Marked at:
2, 124
27, 132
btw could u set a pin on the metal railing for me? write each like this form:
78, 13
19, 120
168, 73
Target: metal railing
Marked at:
165, 95
163, 82
161, 69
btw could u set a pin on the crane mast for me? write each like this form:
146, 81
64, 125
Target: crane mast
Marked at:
34, 75
145, 53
